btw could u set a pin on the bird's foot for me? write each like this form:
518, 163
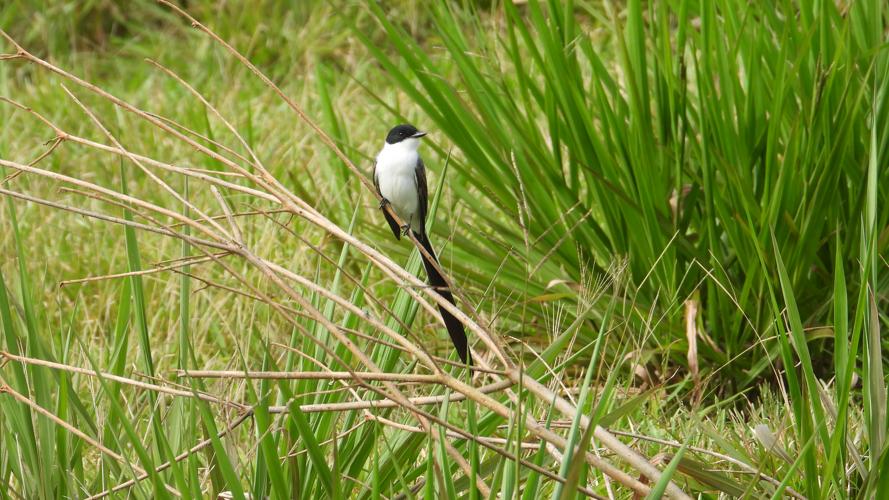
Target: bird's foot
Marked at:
405, 229
383, 203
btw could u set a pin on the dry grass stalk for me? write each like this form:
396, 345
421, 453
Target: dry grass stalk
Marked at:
6, 357
167, 267
691, 334
392, 377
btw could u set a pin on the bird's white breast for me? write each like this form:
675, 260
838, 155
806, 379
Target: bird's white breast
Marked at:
396, 165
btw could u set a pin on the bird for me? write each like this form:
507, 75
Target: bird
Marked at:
400, 179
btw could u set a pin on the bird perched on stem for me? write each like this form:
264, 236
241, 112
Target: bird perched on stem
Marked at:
400, 179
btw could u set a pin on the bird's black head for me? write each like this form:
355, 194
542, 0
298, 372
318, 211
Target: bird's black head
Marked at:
402, 132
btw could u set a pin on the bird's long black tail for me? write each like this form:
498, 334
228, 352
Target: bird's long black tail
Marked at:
454, 326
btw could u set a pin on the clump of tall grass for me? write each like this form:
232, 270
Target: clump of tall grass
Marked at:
705, 140
734, 151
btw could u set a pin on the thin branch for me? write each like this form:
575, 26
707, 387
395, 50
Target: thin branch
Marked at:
192, 260
388, 403
325, 375
236, 230
7, 356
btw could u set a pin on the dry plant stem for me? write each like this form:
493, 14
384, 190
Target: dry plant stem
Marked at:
104, 199
236, 230
55, 144
52, 147
6, 356
370, 338
190, 172
388, 403
247, 214
4, 388
237, 156
525, 445
326, 375
221, 173
168, 267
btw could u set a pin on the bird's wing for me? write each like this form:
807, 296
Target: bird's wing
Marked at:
422, 193
392, 224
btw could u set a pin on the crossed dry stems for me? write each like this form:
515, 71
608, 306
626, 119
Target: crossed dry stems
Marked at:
218, 237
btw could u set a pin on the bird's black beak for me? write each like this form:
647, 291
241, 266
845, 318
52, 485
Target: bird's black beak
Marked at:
418, 134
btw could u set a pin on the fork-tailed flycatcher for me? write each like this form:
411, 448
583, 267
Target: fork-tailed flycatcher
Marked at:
400, 179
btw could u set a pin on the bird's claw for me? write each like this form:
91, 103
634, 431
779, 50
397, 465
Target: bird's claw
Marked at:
383, 203
405, 229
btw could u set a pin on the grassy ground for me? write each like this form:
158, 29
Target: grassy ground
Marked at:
655, 209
